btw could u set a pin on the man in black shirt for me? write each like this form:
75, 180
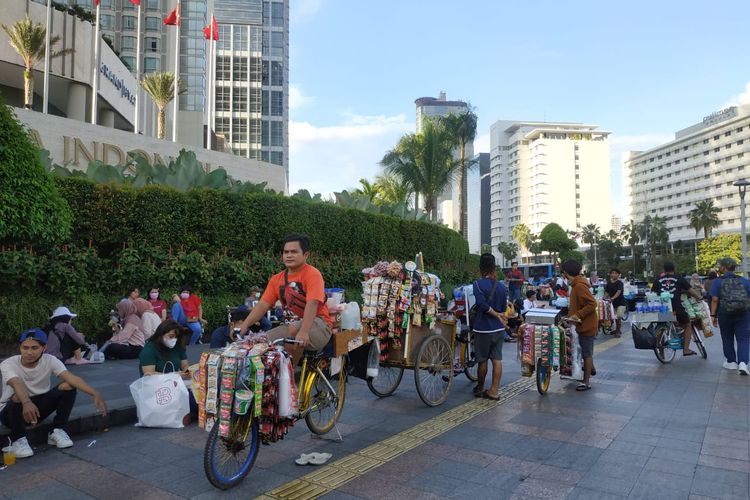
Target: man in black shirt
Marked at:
614, 291
677, 285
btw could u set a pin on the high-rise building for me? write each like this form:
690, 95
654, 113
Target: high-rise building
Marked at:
548, 172
448, 209
701, 163
252, 78
479, 202
616, 223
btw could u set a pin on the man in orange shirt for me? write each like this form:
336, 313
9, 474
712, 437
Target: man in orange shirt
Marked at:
301, 290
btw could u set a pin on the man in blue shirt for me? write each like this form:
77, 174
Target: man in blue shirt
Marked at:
489, 326
735, 325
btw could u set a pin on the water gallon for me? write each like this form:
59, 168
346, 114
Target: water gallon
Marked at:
350, 318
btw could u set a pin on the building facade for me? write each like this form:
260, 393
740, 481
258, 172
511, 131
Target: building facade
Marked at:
701, 163
480, 203
548, 172
448, 209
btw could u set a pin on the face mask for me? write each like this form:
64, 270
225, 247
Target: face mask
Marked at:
169, 342
184, 296
153, 295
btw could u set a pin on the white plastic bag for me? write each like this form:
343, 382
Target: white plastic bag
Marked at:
577, 369
373, 359
161, 400
285, 389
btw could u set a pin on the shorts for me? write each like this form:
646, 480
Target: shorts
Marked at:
489, 346
320, 333
587, 346
620, 311
681, 316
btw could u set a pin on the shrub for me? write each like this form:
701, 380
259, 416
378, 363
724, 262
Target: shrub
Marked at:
31, 209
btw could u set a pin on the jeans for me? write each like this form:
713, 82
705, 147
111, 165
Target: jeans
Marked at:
735, 327
58, 401
515, 293
178, 314
122, 351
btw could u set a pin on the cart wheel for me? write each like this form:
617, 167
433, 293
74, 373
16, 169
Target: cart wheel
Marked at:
543, 376
698, 339
470, 359
433, 371
664, 353
387, 381
227, 460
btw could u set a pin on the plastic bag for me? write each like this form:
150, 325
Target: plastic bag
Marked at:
577, 368
161, 400
373, 359
285, 388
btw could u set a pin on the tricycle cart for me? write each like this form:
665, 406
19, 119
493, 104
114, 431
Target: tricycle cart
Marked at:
427, 351
544, 347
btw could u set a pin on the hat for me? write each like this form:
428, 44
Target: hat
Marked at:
62, 311
35, 334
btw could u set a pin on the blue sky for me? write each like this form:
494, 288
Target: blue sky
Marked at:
641, 70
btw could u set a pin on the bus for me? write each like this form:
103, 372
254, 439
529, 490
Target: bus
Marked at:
535, 273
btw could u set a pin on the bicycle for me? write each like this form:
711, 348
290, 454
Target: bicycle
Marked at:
669, 339
227, 460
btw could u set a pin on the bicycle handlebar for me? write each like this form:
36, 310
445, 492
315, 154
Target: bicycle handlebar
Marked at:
285, 340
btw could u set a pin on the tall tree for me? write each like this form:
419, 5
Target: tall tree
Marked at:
590, 234
424, 162
463, 128
705, 216
27, 39
160, 86
631, 234
367, 189
392, 189
508, 249
522, 234
555, 240
654, 233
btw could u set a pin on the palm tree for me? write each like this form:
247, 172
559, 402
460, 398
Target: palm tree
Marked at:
522, 234
590, 234
612, 236
367, 189
463, 128
392, 189
508, 249
160, 86
424, 163
27, 39
630, 232
704, 216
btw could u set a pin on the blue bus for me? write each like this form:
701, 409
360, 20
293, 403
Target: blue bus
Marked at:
535, 273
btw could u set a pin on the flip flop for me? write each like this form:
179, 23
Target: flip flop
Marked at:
691, 353
583, 387
477, 391
593, 372
486, 395
313, 458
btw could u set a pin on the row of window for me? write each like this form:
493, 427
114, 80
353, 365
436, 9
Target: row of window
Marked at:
150, 64
238, 70
643, 171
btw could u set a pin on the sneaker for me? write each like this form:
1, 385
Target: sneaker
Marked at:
730, 365
59, 438
23, 450
743, 369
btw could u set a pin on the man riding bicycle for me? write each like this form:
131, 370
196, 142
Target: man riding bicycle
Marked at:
301, 290
677, 285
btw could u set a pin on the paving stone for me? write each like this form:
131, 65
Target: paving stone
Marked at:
339, 495
632, 448
678, 444
659, 465
740, 452
436, 483
648, 491
720, 483
676, 455
574, 456
724, 463
512, 464
542, 489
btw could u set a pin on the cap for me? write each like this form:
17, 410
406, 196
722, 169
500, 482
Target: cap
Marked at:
34, 333
728, 262
62, 311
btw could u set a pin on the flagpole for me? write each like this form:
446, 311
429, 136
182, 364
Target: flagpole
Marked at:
209, 82
176, 75
212, 107
47, 36
136, 127
95, 84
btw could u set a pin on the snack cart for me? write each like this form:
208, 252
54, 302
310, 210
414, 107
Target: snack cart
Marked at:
544, 347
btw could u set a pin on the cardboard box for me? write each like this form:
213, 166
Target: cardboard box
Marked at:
345, 341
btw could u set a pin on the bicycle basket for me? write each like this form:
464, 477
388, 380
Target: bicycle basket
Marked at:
643, 338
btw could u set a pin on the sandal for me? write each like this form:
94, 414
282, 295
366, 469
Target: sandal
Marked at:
583, 387
690, 353
487, 395
477, 391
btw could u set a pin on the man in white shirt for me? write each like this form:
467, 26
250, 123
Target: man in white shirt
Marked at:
28, 396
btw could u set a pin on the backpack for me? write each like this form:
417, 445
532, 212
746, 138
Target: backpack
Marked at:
733, 297
474, 311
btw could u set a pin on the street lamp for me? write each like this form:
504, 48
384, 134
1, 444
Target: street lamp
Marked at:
742, 185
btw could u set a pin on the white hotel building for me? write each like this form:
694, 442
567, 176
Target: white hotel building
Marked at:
700, 164
548, 172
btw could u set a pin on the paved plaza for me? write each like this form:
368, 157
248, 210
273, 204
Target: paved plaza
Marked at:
645, 430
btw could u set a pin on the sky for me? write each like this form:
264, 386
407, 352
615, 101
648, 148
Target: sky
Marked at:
640, 70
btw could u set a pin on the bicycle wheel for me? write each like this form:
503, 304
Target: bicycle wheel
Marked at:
325, 406
470, 359
387, 381
626, 315
543, 377
433, 371
227, 460
664, 353
698, 339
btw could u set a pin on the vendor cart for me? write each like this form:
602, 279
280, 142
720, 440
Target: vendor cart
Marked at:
429, 352
544, 347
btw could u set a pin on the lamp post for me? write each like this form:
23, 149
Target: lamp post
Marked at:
742, 186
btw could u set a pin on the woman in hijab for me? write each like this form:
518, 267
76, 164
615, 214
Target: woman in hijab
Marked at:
128, 339
151, 320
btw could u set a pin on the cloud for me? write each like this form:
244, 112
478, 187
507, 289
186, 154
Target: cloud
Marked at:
305, 10
739, 99
482, 144
326, 159
297, 99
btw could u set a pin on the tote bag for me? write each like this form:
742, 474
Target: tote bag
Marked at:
161, 400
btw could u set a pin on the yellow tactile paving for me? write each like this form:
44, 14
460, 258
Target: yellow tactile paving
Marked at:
333, 475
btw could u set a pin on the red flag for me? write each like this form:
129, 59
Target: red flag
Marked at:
96, 2
213, 27
173, 19
135, 2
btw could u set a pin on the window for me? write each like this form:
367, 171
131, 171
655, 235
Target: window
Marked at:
222, 98
129, 62
222, 125
277, 157
264, 73
128, 22
108, 21
240, 69
727, 133
240, 99
277, 73
277, 103
153, 4
240, 38
153, 24
127, 42
151, 44
264, 136
716, 137
277, 17
277, 129
151, 64
223, 65
277, 43
105, 4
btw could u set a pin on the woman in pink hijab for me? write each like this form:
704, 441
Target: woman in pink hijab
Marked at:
127, 339
150, 319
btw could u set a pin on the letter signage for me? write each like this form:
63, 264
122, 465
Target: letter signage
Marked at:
118, 83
